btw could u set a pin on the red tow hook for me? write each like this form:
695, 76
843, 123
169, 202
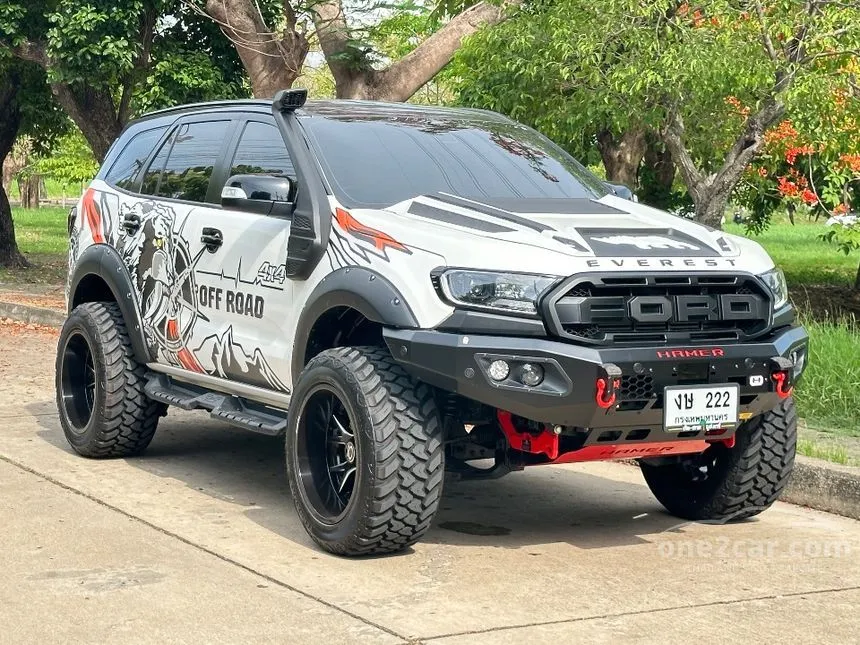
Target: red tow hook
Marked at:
607, 384
606, 394
783, 389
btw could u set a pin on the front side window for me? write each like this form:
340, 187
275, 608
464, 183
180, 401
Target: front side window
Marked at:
261, 151
379, 161
183, 167
125, 171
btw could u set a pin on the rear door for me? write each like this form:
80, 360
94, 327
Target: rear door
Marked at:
161, 234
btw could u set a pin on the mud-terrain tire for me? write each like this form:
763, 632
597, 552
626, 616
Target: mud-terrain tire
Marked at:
104, 411
725, 484
356, 408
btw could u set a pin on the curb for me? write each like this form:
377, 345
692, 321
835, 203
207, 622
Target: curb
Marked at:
31, 314
824, 486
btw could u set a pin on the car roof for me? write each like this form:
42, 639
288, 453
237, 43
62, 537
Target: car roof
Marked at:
334, 109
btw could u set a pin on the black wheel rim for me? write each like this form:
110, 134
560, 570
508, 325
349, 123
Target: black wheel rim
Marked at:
78, 381
328, 455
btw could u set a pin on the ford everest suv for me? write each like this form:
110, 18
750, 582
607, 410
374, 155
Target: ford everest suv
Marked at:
401, 290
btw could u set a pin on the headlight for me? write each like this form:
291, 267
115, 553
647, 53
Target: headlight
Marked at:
512, 293
775, 280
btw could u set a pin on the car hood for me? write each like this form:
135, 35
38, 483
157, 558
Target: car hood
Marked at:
563, 236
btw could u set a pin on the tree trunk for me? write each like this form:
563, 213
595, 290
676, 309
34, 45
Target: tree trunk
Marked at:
657, 175
10, 120
353, 73
94, 112
857, 280
29, 189
622, 155
273, 60
10, 256
711, 208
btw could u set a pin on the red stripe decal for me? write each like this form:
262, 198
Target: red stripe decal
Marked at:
94, 218
381, 241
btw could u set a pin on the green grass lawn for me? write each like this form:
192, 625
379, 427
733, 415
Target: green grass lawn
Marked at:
43, 238
828, 396
805, 259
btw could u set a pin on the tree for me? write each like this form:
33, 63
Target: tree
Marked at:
100, 55
664, 75
25, 108
273, 57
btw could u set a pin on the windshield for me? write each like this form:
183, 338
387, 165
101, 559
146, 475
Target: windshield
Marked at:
374, 162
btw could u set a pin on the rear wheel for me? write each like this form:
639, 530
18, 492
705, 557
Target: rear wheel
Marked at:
723, 484
364, 452
104, 411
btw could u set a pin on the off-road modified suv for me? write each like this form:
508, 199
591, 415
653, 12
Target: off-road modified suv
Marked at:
401, 290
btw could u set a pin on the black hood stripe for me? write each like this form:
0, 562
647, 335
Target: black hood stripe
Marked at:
491, 211
449, 217
554, 206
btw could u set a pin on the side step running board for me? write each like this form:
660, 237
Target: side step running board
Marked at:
225, 407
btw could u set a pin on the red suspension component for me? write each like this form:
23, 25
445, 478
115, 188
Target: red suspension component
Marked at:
783, 389
545, 442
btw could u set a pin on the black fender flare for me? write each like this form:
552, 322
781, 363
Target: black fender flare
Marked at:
359, 288
105, 262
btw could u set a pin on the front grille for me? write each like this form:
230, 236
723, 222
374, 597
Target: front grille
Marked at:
657, 310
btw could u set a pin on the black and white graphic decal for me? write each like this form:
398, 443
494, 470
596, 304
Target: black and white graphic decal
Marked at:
222, 356
157, 255
268, 275
644, 242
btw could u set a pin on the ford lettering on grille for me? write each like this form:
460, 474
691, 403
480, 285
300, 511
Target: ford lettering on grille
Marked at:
659, 309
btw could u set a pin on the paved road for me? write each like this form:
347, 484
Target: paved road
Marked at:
197, 542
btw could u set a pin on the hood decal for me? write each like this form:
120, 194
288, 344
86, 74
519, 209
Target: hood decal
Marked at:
553, 206
497, 213
644, 242
450, 217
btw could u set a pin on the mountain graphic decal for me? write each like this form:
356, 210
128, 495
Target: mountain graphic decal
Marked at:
222, 356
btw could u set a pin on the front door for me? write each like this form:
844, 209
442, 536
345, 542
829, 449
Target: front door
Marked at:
242, 288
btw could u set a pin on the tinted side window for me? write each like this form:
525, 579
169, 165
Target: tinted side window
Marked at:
153, 173
261, 151
126, 169
191, 160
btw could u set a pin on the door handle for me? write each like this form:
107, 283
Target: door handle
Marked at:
212, 239
130, 223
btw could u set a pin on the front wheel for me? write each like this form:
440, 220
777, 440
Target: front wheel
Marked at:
104, 410
364, 452
723, 484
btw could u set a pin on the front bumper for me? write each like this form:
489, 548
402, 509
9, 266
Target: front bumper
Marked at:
567, 396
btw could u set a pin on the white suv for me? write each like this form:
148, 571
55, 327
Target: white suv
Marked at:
401, 289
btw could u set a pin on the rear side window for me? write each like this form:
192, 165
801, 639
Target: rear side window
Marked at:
191, 155
126, 169
261, 151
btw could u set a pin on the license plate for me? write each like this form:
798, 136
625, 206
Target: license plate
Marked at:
700, 407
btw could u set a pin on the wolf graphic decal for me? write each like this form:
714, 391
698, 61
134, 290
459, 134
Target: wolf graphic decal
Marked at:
158, 257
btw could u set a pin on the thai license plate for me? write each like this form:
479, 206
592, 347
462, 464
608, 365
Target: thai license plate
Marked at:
700, 407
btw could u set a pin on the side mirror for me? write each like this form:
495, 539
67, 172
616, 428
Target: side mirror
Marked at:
622, 191
263, 194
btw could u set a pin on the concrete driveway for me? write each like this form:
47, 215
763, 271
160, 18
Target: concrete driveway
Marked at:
198, 542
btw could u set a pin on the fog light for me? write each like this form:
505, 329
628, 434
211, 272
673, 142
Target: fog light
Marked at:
499, 370
531, 375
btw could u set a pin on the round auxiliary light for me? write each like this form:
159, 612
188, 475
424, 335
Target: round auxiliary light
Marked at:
531, 374
499, 370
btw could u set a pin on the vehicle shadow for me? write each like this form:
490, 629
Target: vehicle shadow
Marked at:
535, 507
